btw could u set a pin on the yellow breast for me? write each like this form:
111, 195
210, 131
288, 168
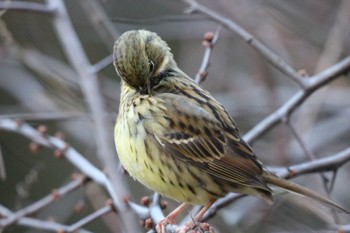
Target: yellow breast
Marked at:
139, 122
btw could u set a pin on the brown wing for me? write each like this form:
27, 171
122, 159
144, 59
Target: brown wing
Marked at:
198, 137
194, 134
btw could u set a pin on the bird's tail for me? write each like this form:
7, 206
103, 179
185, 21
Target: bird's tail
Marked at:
305, 192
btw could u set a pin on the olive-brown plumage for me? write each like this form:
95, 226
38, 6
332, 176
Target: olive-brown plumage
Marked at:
175, 137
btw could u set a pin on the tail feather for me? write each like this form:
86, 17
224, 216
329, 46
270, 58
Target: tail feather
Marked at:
298, 189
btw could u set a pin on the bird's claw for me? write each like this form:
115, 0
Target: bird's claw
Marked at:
196, 227
161, 226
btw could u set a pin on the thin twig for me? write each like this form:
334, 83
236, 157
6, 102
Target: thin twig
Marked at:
222, 203
342, 228
45, 116
90, 87
89, 218
332, 182
156, 213
155, 210
330, 163
270, 56
209, 42
312, 157
27, 7
159, 19
102, 64
37, 223
320, 165
2, 166
100, 20
56, 194
300, 141
72, 155
312, 84
306, 150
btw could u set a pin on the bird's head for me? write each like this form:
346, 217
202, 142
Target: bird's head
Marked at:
140, 56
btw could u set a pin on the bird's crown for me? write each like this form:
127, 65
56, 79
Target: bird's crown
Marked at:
140, 55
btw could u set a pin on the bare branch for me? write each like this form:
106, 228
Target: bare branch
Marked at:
100, 20
222, 203
155, 211
342, 228
90, 87
270, 56
159, 19
209, 44
45, 116
305, 149
330, 163
301, 143
2, 166
89, 218
312, 84
312, 157
102, 64
38, 224
27, 7
73, 156
56, 194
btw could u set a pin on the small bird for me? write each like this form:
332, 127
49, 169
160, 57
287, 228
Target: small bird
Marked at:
174, 137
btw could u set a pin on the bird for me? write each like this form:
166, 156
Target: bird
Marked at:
174, 137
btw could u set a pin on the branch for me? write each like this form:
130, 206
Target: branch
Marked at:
102, 64
295, 101
342, 228
101, 22
270, 56
306, 150
2, 166
209, 42
90, 87
308, 85
330, 163
38, 224
155, 210
52, 226
73, 156
76, 226
27, 7
36, 206
45, 116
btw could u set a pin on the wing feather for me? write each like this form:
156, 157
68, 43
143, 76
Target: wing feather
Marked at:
195, 134
198, 137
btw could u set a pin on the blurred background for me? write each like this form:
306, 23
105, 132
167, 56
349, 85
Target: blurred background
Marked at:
39, 85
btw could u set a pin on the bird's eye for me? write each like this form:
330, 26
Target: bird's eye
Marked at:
151, 66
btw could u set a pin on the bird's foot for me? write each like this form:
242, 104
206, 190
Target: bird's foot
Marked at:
196, 227
161, 226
